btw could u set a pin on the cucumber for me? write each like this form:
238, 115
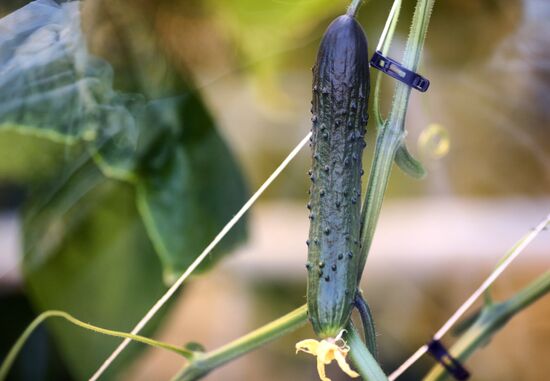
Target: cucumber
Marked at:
341, 86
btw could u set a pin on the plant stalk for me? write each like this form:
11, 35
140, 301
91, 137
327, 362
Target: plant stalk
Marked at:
202, 363
392, 133
354, 7
491, 319
387, 143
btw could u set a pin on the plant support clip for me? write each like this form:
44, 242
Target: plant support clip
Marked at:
452, 365
395, 70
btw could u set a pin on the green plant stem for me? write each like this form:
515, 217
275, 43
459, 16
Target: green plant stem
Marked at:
530, 294
387, 143
369, 330
391, 134
12, 355
491, 319
354, 7
203, 363
363, 360
411, 59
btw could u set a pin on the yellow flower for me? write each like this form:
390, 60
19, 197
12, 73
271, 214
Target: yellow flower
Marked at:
326, 351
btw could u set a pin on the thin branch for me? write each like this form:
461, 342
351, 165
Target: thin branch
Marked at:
491, 320
12, 355
203, 363
512, 254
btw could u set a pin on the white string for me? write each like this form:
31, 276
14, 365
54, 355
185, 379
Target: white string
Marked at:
395, 7
200, 258
407, 364
476, 294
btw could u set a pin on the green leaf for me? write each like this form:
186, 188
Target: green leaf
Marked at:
87, 253
116, 145
54, 208
65, 94
27, 158
190, 188
51, 87
408, 163
88, 250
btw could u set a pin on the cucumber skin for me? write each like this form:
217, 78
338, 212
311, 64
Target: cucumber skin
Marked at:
341, 86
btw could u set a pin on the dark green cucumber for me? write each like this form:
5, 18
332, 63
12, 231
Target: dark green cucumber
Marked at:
341, 87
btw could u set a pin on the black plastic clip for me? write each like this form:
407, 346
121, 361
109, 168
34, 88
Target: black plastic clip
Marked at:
395, 70
452, 365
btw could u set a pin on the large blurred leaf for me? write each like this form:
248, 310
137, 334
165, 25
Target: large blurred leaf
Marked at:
50, 87
191, 187
28, 158
102, 267
54, 89
51, 212
87, 249
46, 86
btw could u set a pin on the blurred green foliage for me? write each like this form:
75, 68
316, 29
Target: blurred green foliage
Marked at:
101, 266
92, 142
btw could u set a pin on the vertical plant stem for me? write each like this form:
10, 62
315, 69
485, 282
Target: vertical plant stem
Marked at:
202, 363
490, 321
411, 58
387, 142
392, 133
